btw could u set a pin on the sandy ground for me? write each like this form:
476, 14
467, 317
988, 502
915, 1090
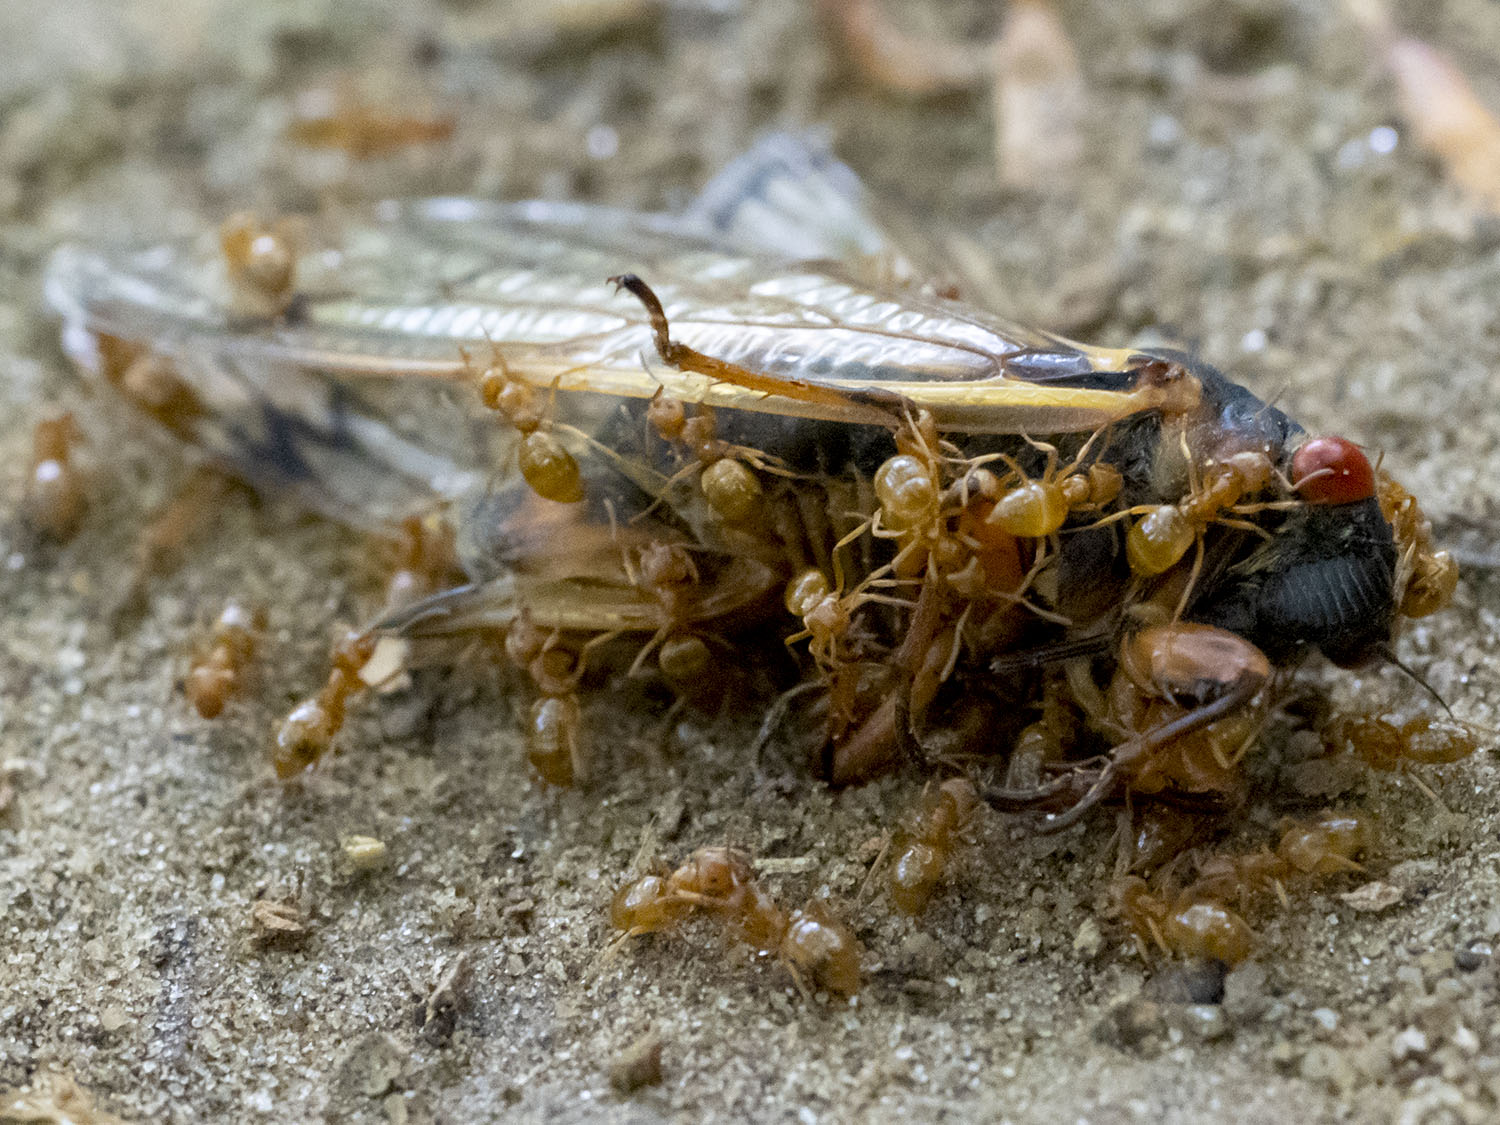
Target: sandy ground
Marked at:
1236, 194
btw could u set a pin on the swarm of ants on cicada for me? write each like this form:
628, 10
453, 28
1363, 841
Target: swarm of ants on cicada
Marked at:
1062, 576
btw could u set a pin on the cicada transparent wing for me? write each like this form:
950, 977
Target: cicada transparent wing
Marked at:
358, 400
367, 451
398, 293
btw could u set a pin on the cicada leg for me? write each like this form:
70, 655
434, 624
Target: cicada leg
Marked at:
958, 577
915, 670
585, 586
1193, 694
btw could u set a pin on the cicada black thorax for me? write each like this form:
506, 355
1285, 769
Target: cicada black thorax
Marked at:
1211, 522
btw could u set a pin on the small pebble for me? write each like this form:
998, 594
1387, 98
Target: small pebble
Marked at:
1322, 1063
1326, 1018
638, 1065
1437, 1101
1282, 1054
1245, 997
113, 1018
1194, 982
1437, 963
1204, 1021
1409, 977
1089, 940
1130, 1024
1465, 1040
279, 923
1473, 956
1410, 1042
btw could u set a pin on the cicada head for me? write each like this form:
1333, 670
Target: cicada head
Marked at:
1337, 569
1327, 577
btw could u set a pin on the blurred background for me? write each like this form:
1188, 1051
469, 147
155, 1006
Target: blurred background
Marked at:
1306, 193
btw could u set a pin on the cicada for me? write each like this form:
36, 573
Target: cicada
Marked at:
1077, 571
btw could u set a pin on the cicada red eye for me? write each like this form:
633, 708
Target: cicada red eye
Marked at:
1332, 470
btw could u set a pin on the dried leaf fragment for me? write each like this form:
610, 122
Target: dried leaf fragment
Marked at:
905, 63
447, 999
278, 923
1039, 97
1438, 103
1447, 118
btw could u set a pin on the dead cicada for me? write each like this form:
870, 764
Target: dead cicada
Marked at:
1083, 567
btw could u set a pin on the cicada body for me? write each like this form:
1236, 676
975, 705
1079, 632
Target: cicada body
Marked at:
692, 429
